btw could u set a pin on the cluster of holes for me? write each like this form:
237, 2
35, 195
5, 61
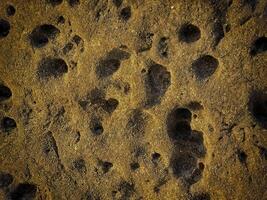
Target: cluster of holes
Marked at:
185, 163
21, 191
96, 99
111, 63
203, 67
125, 190
76, 40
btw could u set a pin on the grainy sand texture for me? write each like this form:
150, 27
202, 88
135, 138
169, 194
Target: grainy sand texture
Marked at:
133, 100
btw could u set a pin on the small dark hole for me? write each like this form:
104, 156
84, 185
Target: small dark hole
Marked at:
227, 28
126, 13
143, 71
134, 166
106, 166
111, 105
155, 156
189, 33
201, 166
242, 156
79, 165
5, 179
77, 39
5, 93
8, 124
4, 28
96, 127
10, 10
61, 20
67, 48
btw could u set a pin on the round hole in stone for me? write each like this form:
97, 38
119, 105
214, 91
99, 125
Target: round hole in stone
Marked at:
10, 10
189, 33
8, 124
126, 13
5, 93
4, 28
204, 66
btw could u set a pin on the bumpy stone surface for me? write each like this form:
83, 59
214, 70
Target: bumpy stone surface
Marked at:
133, 99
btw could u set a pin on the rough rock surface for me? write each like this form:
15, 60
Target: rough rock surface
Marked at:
133, 99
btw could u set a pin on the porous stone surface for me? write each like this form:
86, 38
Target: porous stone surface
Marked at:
133, 99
